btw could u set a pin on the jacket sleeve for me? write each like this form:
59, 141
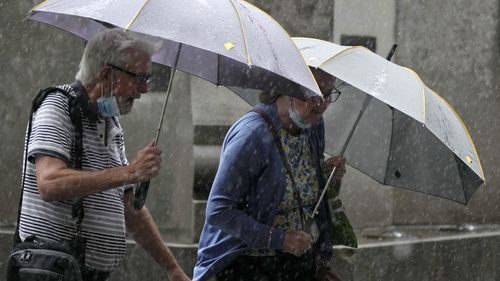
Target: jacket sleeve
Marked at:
240, 166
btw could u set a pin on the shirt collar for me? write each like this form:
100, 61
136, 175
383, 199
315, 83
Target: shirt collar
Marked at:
83, 99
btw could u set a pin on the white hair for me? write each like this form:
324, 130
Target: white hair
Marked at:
112, 46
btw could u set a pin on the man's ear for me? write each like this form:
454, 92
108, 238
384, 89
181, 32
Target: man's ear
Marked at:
105, 73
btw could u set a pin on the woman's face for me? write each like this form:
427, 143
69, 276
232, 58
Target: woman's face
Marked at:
312, 110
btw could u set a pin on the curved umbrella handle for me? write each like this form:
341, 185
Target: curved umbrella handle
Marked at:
140, 195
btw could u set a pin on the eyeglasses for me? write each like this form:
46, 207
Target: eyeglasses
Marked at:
329, 97
138, 78
333, 96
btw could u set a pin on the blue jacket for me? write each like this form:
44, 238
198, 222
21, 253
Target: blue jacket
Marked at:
246, 193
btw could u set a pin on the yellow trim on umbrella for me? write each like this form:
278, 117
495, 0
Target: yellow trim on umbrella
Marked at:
466, 131
423, 90
249, 61
136, 15
38, 5
286, 33
341, 52
334, 56
320, 41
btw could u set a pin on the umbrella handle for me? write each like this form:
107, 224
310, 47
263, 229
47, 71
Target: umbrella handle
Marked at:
140, 195
142, 191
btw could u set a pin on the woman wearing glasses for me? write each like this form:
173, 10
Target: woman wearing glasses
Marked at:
258, 221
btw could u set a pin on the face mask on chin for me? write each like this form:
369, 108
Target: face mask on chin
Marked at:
295, 117
108, 106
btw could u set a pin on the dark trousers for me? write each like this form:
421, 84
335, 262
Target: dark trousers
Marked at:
95, 275
282, 267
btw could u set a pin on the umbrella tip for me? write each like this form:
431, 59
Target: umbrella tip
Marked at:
392, 51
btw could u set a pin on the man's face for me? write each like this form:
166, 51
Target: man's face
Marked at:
131, 80
312, 110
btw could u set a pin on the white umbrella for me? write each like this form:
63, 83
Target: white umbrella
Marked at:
392, 127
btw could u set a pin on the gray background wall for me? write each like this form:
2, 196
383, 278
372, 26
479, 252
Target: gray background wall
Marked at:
453, 45
28, 64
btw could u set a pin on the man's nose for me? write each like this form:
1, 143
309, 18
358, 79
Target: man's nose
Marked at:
142, 88
137, 94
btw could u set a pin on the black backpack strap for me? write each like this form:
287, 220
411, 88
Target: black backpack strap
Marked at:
76, 120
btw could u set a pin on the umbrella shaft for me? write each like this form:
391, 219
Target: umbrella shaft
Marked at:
160, 124
330, 178
173, 69
351, 133
367, 100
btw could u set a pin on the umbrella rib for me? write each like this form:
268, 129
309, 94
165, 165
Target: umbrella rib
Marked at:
391, 141
423, 91
249, 62
339, 53
136, 15
286, 33
465, 128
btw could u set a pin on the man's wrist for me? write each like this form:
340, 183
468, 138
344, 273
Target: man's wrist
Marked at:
130, 175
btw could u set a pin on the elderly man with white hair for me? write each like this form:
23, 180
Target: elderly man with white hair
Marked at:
114, 71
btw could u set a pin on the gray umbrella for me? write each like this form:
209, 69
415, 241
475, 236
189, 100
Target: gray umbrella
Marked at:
230, 43
391, 126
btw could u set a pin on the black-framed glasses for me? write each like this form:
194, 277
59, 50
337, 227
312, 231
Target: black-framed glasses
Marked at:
333, 96
138, 78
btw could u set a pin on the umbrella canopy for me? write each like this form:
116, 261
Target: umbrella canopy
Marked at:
408, 136
230, 43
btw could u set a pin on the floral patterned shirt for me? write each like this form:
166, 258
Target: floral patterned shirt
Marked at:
298, 152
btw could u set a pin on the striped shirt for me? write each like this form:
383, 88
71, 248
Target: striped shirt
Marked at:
103, 147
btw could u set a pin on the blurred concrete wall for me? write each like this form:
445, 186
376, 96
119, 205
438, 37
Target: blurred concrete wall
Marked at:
32, 57
454, 46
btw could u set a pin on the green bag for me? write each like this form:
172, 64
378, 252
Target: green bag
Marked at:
342, 232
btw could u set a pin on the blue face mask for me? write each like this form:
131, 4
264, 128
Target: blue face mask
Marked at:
108, 106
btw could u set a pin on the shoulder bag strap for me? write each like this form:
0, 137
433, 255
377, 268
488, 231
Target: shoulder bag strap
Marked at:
279, 145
